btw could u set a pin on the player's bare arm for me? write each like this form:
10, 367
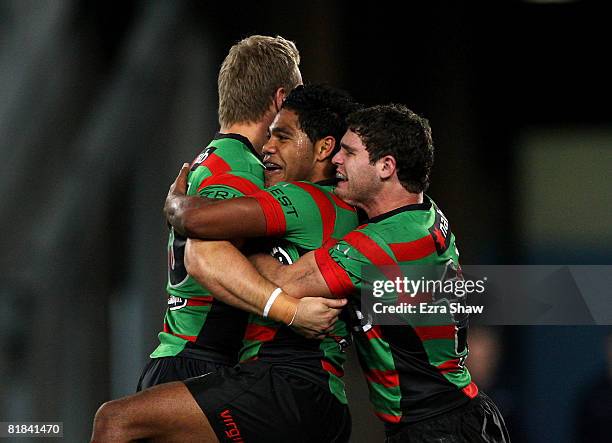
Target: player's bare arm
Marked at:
207, 218
300, 279
230, 276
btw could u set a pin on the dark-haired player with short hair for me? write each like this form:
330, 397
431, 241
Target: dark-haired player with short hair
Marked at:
419, 385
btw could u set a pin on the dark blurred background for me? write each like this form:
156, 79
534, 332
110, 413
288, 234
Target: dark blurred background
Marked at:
101, 102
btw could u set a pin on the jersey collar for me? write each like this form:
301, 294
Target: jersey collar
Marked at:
327, 182
425, 206
241, 138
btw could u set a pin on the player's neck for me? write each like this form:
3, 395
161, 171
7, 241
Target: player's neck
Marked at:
322, 171
257, 132
389, 198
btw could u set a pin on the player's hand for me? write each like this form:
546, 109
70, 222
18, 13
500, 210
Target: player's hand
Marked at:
316, 316
178, 189
179, 186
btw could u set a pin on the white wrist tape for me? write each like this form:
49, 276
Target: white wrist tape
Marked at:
271, 301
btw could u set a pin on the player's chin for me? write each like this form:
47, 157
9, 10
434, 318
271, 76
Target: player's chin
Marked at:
342, 189
274, 176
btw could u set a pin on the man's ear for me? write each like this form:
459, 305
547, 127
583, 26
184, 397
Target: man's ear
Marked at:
279, 98
324, 148
386, 167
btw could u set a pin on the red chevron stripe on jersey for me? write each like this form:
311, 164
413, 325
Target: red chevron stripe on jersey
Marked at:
233, 181
471, 390
449, 366
388, 378
199, 301
338, 281
373, 252
374, 332
332, 369
341, 203
388, 417
326, 207
275, 217
216, 165
191, 338
434, 332
329, 243
413, 250
259, 332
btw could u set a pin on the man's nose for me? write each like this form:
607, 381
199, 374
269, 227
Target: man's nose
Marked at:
269, 147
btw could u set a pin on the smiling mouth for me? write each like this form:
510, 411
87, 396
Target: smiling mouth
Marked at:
272, 167
340, 177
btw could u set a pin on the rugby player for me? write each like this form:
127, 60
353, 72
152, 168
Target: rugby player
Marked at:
419, 385
286, 384
199, 333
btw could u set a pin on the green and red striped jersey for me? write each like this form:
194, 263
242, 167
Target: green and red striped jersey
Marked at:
196, 325
304, 216
413, 372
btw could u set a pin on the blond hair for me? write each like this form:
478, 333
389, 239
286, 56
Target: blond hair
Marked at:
250, 75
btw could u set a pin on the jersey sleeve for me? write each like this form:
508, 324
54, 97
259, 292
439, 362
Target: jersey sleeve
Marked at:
292, 213
341, 268
227, 185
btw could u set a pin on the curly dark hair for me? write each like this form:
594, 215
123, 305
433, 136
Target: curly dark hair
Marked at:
397, 131
321, 110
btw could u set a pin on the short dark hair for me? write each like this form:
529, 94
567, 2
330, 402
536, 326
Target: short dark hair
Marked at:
397, 131
322, 110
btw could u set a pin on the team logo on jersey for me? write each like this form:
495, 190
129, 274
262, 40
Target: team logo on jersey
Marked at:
202, 157
175, 302
281, 255
440, 232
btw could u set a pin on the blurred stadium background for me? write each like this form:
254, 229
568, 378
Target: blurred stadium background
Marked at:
102, 101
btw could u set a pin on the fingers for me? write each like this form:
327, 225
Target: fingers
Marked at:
336, 303
332, 316
181, 178
329, 330
317, 335
320, 335
179, 186
318, 315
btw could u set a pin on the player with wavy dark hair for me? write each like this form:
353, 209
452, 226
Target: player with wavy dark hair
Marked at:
384, 131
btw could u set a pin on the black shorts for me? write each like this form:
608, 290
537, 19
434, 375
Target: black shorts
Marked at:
477, 421
167, 369
259, 402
